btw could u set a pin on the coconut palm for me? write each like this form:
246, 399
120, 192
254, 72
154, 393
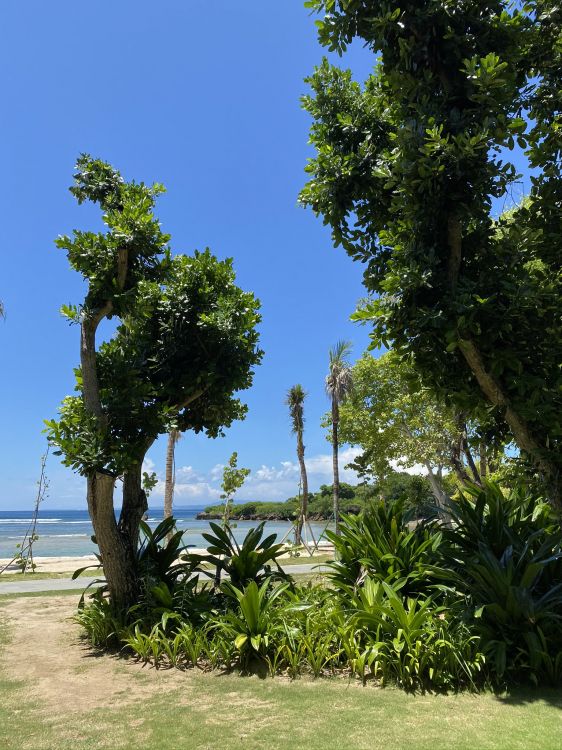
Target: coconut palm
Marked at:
173, 437
295, 402
338, 386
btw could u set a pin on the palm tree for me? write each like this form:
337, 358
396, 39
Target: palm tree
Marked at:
295, 402
338, 385
173, 437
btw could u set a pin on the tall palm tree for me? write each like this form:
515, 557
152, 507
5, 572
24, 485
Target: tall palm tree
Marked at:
295, 402
173, 437
338, 385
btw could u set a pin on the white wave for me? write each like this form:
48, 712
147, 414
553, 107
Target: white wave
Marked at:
29, 520
52, 536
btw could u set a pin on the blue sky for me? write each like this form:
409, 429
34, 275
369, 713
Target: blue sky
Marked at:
204, 97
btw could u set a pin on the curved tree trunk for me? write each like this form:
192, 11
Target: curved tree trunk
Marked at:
336, 487
303, 510
491, 387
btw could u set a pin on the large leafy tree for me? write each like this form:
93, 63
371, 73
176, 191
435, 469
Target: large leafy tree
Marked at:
295, 401
406, 171
185, 343
398, 422
338, 385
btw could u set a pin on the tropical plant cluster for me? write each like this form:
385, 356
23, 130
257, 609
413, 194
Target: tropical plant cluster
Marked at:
430, 606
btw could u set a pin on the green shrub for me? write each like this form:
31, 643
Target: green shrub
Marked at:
506, 556
379, 544
243, 564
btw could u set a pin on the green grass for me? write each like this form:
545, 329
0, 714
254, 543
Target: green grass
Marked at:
235, 712
207, 711
8, 577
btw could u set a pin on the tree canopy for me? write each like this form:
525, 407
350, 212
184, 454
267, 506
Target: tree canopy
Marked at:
407, 170
185, 344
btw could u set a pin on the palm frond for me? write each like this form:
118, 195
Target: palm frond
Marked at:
339, 380
295, 401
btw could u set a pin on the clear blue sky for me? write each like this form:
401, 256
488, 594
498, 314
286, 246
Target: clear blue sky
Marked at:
204, 97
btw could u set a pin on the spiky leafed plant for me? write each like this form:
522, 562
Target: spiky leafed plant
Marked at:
173, 437
295, 401
338, 385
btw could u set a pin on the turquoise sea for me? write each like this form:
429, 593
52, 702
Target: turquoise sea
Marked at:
68, 532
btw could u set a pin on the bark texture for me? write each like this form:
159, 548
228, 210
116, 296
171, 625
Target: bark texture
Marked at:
173, 437
116, 549
335, 466
303, 510
519, 427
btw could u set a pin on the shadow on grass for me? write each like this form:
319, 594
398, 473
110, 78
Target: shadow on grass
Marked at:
524, 696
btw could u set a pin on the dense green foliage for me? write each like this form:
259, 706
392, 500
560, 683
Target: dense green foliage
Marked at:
406, 170
414, 490
429, 607
185, 345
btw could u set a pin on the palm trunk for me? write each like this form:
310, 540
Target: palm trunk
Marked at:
169, 483
336, 487
303, 510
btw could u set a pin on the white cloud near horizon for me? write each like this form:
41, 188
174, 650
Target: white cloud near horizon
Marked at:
265, 483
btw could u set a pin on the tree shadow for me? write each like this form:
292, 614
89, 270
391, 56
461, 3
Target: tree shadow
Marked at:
524, 696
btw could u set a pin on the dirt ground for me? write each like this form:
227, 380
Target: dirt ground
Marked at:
60, 670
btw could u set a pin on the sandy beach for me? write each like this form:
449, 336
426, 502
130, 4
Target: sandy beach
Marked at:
70, 564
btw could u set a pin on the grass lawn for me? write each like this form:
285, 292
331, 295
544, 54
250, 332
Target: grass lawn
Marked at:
55, 696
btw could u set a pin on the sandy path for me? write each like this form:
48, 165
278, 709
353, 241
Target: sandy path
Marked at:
61, 672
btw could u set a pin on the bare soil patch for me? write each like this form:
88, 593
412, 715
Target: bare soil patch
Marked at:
59, 667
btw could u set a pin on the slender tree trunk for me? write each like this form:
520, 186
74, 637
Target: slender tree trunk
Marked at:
470, 460
336, 488
483, 460
456, 459
303, 510
116, 550
170, 478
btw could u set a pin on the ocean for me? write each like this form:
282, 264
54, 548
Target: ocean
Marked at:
68, 532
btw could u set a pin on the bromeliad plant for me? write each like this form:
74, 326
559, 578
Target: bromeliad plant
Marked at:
251, 561
253, 628
415, 643
505, 557
378, 543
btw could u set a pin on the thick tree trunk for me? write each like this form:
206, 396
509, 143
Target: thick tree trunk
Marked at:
115, 548
134, 505
335, 466
303, 510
